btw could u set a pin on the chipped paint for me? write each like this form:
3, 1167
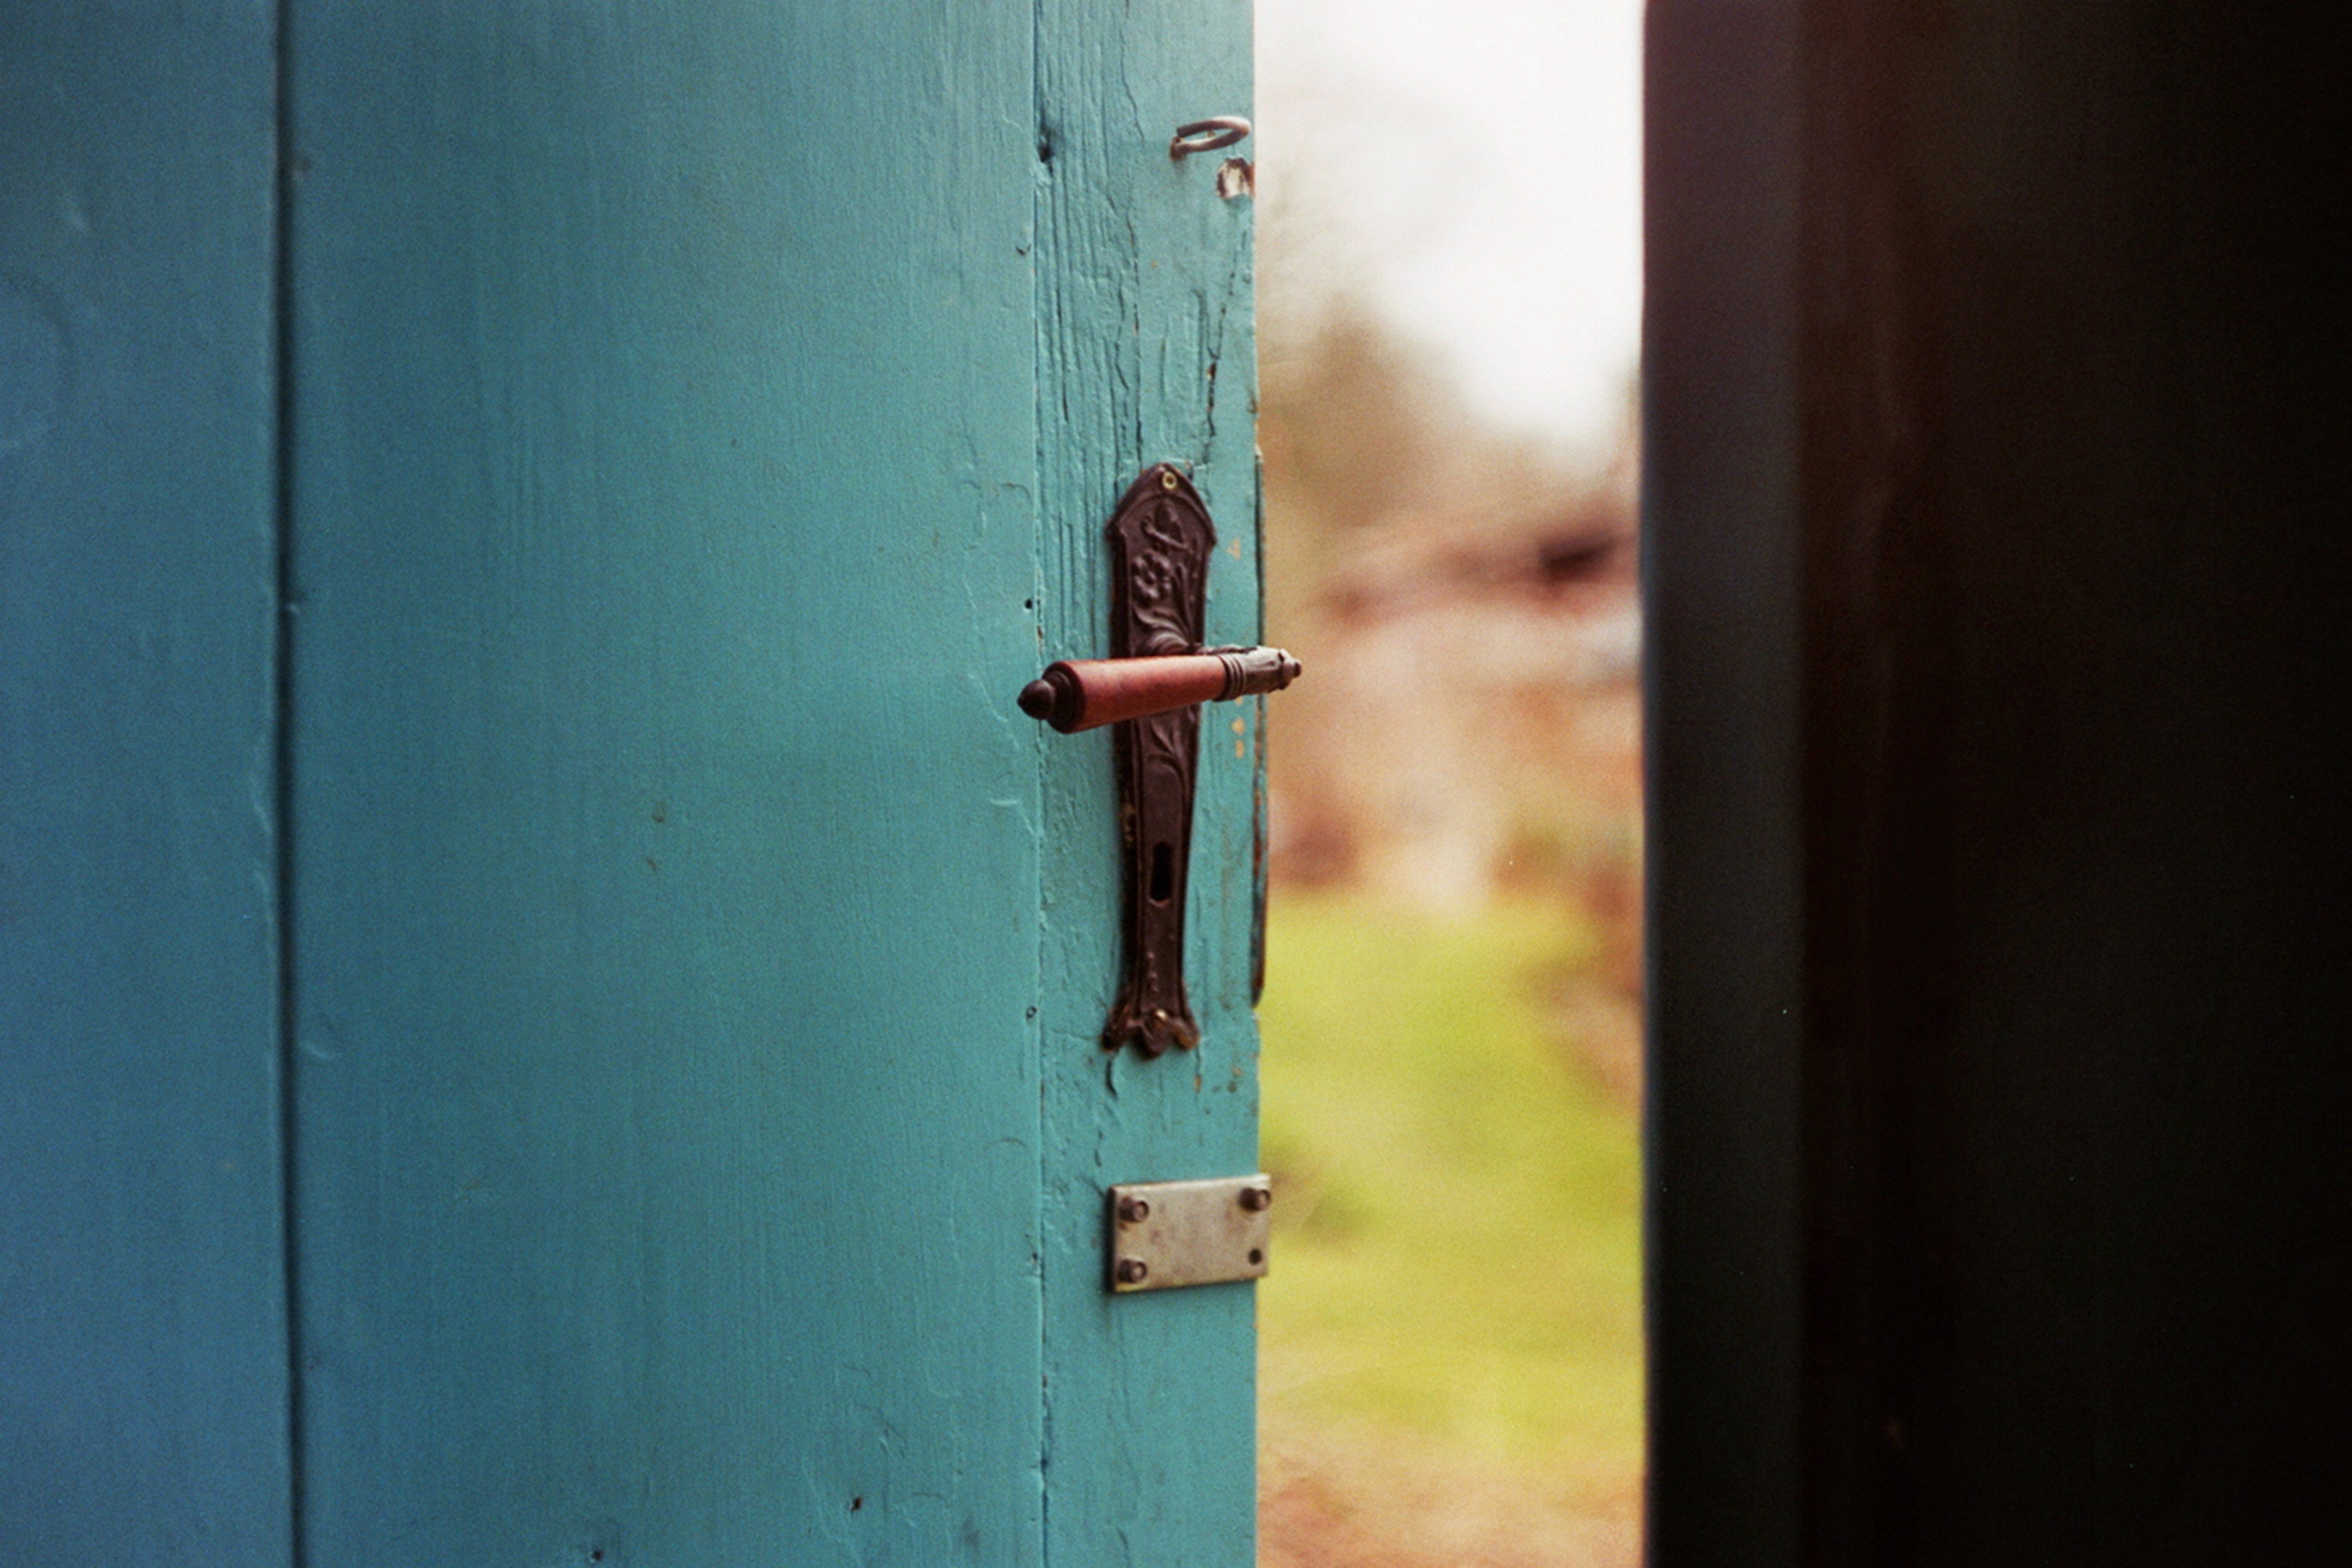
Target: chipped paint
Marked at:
1144, 284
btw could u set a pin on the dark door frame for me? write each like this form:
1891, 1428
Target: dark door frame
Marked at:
1996, 499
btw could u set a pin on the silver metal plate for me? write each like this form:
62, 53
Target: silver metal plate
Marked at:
1164, 1234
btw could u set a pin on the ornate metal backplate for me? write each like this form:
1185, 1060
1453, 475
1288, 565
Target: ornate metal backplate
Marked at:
1160, 538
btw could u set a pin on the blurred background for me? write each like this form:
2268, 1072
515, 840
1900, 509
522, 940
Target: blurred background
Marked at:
1449, 278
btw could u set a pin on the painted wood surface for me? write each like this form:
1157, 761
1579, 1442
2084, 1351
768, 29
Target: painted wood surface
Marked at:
667, 840
697, 424
1146, 355
142, 1358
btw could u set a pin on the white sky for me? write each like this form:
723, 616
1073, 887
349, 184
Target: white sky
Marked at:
1479, 163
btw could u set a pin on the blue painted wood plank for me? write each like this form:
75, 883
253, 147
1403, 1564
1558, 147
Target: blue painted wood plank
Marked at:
142, 1352
1146, 354
667, 843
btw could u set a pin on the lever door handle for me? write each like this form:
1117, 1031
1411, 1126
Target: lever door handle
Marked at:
1152, 688
1080, 694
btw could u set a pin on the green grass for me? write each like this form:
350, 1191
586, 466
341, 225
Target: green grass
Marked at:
1457, 1253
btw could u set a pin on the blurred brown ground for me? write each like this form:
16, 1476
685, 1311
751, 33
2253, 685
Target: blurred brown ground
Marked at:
1324, 1502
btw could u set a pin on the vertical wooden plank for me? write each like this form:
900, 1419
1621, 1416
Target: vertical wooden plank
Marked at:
143, 1382
667, 836
1146, 354
2074, 466
1722, 608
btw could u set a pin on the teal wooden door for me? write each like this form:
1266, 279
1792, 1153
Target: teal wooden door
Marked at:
143, 1402
690, 426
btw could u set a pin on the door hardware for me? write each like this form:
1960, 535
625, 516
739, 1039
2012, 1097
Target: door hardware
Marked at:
1207, 135
1235, 176
1164, 1234
1080, 694
1152, 687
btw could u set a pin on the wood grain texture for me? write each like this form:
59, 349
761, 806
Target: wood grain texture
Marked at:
667, 836
143, 1352
1145, 356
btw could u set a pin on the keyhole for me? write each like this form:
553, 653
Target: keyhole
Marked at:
1163, 872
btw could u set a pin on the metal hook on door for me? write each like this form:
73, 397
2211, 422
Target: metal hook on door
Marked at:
1207, 135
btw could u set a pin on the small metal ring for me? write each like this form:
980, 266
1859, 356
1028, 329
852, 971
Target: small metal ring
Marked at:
1207, 135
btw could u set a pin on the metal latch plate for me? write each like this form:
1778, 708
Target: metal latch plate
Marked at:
1164, 1234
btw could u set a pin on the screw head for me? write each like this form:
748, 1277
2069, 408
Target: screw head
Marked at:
1134, 1211
1167, 478
1133, 1270
1256, 1199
